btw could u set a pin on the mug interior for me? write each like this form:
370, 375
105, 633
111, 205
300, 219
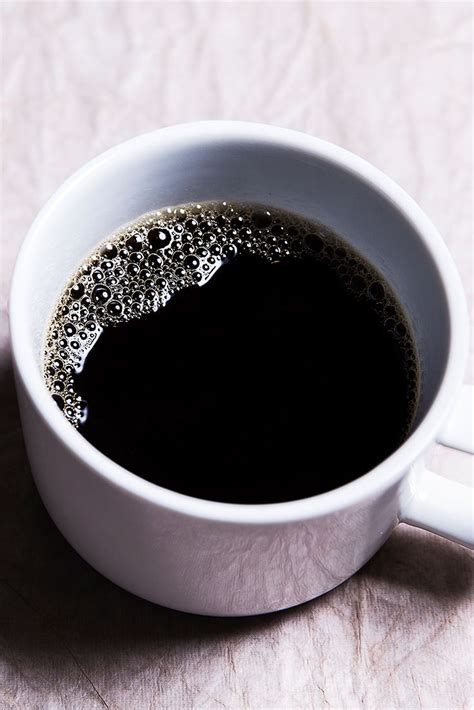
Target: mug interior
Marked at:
166, 168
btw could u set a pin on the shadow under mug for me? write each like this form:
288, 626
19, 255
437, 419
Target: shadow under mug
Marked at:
216, 558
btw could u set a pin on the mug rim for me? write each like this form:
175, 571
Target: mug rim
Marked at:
377, 479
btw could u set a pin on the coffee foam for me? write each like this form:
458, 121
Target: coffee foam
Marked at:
141, 266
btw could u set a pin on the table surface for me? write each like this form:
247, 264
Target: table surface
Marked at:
390, 81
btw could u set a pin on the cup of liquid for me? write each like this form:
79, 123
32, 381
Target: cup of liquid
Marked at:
233, 344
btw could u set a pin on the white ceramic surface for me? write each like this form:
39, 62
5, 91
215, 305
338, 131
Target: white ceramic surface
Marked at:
221, 559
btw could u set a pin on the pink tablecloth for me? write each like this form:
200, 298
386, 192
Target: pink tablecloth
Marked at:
390, 81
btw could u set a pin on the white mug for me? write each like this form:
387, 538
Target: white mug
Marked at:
217, 558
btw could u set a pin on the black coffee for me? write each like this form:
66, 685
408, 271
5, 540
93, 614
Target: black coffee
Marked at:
236, 353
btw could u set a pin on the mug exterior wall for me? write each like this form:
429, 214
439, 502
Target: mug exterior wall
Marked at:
189, 563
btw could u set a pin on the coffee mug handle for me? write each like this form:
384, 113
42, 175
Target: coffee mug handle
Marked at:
435, 503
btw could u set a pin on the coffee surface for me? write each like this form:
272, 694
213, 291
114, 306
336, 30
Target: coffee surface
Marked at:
235, 353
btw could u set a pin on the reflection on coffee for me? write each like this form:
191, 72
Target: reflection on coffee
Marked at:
233, 352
